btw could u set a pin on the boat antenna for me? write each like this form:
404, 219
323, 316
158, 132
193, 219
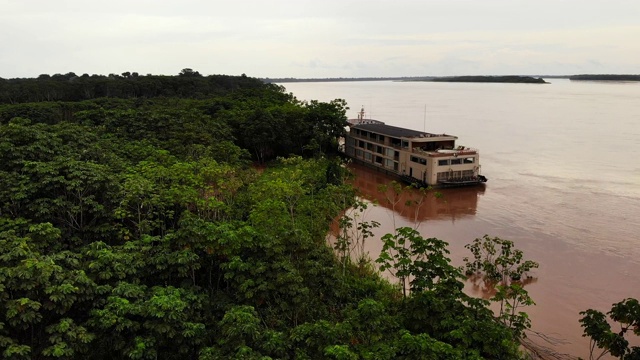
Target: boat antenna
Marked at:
424, 125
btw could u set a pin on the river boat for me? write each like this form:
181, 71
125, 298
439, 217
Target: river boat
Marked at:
418, 158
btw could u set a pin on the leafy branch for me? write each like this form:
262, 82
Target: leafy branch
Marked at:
627, 315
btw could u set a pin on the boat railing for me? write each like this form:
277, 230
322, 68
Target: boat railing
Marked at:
438, 153
461, 179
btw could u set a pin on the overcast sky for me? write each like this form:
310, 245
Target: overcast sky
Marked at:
320, 38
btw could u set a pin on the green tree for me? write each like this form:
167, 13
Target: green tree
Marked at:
187, 72
327, 122
354, 231
39, 291
497, 260
503, 270
418, 262
626, 315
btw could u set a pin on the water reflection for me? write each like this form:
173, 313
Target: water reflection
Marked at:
481, 287
414, 206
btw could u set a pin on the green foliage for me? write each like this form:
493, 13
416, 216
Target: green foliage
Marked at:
444, 322
497, 260
503, 269
512, 297
340, 352
327, 122
70, 87
354, 232
416, 261
132, 227
625, 314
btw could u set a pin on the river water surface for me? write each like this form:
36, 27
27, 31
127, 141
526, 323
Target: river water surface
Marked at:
563, 162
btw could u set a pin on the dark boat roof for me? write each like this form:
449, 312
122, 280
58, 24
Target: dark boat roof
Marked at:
394, 131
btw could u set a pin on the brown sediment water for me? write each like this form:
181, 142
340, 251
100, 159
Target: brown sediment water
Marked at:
570, 278
564, 183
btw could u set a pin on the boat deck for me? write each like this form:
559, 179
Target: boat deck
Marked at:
465, 181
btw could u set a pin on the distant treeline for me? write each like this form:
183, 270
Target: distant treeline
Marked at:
401, 78
491, 79
128, 85
187, 113
606, 77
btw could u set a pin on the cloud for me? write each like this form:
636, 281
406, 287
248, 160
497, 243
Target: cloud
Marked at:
307, 38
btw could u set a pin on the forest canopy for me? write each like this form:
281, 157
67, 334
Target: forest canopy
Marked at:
134, 225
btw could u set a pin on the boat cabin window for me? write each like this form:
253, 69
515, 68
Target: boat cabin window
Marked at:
456, 161
418, 160
443, 162
390, 163
469, 160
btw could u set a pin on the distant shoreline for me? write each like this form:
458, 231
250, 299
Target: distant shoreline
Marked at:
587, 77
606, 77
490, 79
413, 78
401, 78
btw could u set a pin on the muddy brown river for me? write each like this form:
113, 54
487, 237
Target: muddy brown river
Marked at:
563, 162
568, 281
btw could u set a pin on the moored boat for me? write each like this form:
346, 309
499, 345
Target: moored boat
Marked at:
416, 157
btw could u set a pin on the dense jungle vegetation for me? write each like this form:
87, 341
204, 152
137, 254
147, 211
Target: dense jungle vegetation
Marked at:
134, 225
